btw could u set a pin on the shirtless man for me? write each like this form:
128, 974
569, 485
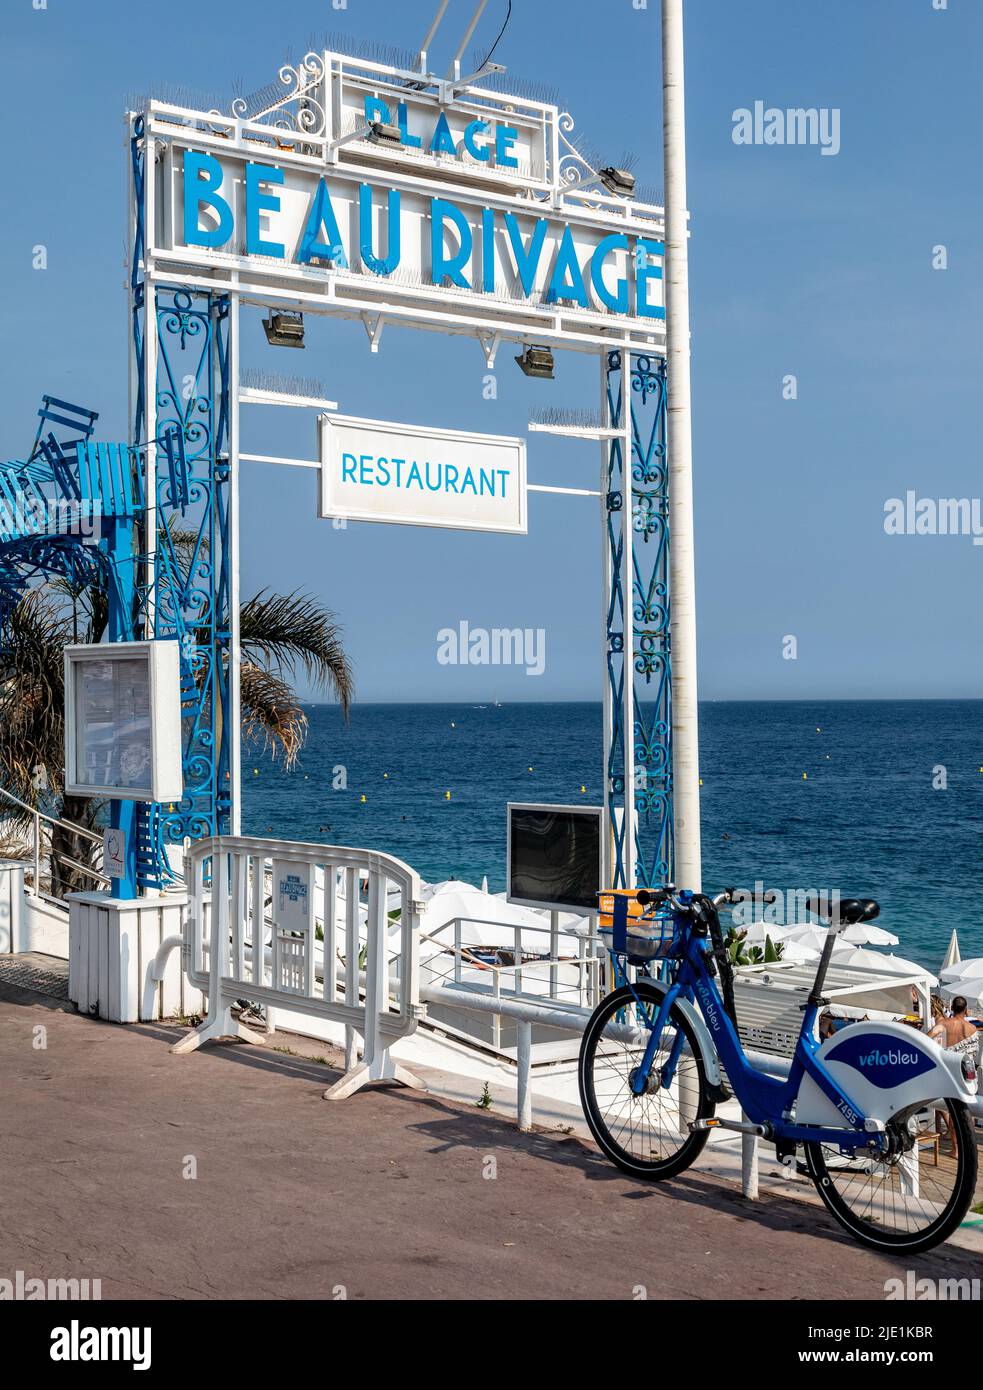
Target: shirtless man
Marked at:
956, 1029
951, 1032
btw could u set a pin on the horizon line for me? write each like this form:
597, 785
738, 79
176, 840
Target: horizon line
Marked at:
476, 701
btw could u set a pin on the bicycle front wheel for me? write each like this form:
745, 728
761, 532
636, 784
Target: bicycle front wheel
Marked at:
647, 1135
909, 1201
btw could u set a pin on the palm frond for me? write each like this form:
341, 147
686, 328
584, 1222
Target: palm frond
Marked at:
271, 712
291, 632
32, 695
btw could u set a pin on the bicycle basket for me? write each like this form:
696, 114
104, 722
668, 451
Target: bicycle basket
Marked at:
630, 929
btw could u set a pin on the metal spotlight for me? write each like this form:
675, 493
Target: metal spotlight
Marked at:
618, 181
537, 362
382, 134
285, 330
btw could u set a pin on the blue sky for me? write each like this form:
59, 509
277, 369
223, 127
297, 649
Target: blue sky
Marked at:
802, 264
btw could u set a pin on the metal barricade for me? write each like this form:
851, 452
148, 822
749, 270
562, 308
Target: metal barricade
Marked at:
258, 912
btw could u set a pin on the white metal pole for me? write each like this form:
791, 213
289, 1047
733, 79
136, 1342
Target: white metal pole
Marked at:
523, 1059
479, 11
685, 721
749, 1164
425, 46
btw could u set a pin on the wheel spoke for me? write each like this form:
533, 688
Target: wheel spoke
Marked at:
903, 1197
649, 1129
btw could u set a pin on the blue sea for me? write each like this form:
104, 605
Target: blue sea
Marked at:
866, 818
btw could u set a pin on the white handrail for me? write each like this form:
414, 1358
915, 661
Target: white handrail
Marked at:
82, 831
52, 820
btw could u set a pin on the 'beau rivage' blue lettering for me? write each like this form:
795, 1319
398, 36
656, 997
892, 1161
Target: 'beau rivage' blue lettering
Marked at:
454, 258
372, 470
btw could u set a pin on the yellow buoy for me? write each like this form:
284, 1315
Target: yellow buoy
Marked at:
447, 796
530, 769
583, 789
363, 798
255, 771
805, 776
385, 776
701, 781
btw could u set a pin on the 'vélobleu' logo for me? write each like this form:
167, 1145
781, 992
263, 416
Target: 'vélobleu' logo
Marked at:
885, 1061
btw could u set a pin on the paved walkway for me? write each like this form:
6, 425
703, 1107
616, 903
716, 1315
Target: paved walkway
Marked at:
387, 1195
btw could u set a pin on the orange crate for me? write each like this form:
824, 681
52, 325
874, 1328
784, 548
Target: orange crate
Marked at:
649, 933
606, 904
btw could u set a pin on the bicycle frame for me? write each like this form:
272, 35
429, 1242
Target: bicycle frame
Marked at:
766, 1100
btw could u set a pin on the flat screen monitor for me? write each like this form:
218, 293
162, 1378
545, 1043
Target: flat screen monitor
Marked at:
554, 856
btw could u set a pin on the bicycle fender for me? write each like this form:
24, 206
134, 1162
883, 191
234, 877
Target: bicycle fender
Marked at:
711, 1062
884, 1068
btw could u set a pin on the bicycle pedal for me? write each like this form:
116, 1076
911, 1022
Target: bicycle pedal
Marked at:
735, 1126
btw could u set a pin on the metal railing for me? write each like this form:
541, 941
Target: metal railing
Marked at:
37, 817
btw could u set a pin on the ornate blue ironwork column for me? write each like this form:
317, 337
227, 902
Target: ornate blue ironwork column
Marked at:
638, 709
191, 559
181, 417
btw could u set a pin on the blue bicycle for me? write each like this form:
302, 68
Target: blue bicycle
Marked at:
860, 1104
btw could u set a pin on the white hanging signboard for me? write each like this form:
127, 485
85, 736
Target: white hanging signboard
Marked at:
372, 470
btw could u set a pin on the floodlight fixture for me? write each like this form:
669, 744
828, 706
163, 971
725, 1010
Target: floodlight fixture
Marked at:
382, 134
620, 182
537, 362
285, 330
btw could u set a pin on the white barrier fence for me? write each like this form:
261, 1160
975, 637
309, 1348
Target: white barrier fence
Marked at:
360, 908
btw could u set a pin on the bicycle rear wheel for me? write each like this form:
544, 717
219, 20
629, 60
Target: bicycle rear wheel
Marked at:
646, 1135
908, 1201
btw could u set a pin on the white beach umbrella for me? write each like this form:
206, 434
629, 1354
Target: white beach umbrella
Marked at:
952, 956
868, 934
570, 922
812, 937
971, 988
798, 952
880, 963
486, 920
860, 934
793, 952
757, 932
964, 969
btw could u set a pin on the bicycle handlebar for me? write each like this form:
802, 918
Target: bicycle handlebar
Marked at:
652, 897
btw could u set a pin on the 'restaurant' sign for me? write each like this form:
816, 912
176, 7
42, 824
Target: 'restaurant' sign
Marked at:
372, 470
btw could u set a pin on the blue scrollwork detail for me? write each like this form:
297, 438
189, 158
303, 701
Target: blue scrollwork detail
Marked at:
639, 629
